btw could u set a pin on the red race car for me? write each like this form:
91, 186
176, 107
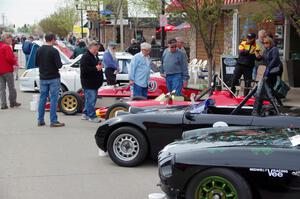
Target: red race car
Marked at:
71, 103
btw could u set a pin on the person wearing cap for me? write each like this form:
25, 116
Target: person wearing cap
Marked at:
140, 71
7, 63
91, 77
48, 61
248, 53
174, 68
133, 48
110, 63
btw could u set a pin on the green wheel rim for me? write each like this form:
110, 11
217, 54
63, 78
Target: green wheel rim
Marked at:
215, 187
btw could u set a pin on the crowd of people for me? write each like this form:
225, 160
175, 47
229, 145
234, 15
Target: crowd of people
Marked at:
174, 68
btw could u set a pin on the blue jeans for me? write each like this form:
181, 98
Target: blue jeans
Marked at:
90, 98
175, 82
140, 91
47, 87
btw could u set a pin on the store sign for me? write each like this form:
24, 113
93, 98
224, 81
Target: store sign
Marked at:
163, 20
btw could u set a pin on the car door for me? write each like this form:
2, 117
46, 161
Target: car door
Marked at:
203, 120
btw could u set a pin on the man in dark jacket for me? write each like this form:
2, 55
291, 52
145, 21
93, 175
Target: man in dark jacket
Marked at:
91, 76
248, 50
133, 48
49, 63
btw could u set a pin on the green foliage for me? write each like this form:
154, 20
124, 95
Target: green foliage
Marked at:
26, 28
61, 22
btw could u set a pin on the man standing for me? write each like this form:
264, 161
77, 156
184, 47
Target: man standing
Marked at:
7, 63
133, 48
26, 47
91, 77
261, 36
140, 71
247, 54
110, 63
49, 63
174, 68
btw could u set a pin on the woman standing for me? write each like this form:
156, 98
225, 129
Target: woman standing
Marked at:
273, 70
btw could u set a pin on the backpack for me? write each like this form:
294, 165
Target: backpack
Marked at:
26, 47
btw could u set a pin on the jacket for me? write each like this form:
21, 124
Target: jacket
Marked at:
90, 77
272, 61
246, 54
7, 59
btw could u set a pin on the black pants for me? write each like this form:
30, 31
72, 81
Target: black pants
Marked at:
110, 76
246, 71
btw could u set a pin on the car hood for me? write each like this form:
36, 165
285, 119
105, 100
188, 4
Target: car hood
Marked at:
246, 137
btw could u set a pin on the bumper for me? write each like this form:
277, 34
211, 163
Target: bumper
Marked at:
100, 141
170, 192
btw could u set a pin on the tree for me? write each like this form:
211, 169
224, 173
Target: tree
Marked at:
61, 22
205, 16
291, 9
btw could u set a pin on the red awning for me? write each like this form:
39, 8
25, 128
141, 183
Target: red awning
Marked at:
168, 27
229, 2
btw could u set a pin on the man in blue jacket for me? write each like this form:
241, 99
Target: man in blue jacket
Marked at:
174, 68
110, 63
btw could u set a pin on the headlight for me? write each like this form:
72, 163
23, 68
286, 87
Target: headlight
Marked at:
166, 165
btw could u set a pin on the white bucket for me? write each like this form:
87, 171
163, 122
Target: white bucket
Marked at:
35, 97
102, 153
33, 106
156, 196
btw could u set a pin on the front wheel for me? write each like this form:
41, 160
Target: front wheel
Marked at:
111, 111
218, 183
127, 146
70, 103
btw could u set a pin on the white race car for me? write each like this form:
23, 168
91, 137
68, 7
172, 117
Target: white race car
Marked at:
70, 74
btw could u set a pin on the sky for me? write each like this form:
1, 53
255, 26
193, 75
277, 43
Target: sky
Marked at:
20, 12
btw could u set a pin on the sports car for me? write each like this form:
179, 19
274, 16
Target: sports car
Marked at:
70, 73
232, 162
129, 139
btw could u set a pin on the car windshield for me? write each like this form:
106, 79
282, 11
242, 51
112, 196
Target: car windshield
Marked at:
274, 137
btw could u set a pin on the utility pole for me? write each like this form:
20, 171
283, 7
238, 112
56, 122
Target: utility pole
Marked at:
162, 29
121, 28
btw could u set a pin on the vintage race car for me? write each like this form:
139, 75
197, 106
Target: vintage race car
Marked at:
71, 103
232, 162
129, 139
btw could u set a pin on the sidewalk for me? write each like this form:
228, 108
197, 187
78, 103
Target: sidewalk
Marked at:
293, 98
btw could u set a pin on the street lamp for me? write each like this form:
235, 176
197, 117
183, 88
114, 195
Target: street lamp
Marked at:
81, 15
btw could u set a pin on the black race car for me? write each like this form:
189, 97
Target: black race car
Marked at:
129, 139
232, 163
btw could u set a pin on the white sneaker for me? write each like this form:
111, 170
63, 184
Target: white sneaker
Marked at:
84, 117
95, 120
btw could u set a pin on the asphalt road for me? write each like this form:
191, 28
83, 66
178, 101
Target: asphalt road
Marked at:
62, 163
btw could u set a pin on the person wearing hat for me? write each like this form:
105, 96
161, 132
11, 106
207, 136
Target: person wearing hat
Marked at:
7, 63
174, 68
91, 77
110, 63
248, 53
140, 67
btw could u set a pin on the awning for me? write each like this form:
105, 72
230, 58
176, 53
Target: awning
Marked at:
168, 28
230, 2
182, 26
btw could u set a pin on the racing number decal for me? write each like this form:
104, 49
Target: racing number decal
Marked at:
152, 86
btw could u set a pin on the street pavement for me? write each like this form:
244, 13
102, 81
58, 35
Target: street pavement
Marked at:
62, 163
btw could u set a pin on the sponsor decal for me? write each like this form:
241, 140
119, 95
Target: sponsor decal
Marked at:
296, 173
152, 86
276, 173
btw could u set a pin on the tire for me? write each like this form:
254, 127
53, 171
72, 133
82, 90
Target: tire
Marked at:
111, 111
70, 103
62, 89
233, 184
137, 147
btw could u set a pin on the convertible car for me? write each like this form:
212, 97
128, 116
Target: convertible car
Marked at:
231, 163
71, 103
129, 139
